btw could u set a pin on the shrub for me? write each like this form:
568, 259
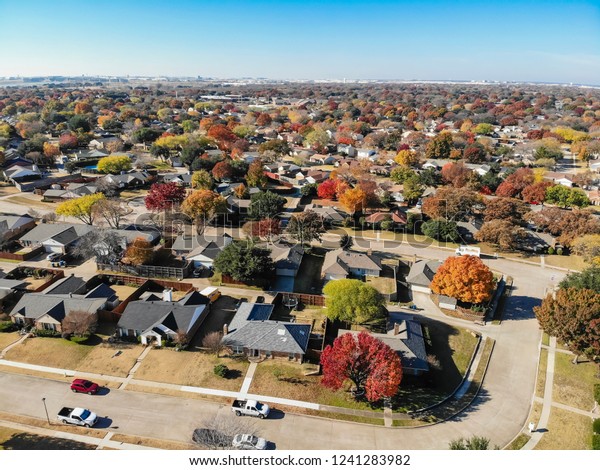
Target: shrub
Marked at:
597, 426
596, 442
559, 251
348, 222
46, 333
221, 370
80, 339
597, 393
550, 251
7, 327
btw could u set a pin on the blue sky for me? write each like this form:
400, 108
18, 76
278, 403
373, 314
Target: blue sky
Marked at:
549, 40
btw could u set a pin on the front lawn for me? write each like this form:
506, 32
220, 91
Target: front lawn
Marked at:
191, 368
308, 278
574, 383
385, 285
12, 439
287, 380
567, 431
111, 360
8, 338
50, 352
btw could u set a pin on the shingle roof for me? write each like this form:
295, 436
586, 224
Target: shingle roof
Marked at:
66, 285
421, 272
35, 305
44, 232
341, 261
146, 315
268, 335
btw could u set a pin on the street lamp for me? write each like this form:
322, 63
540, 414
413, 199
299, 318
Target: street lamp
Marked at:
46, 409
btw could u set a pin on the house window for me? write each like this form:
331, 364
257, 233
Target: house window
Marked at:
268, 354
19, 321
291, 356
48, 326
237, 349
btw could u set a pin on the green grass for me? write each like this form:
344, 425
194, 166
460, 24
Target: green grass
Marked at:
545, 339
541, 377
352, 418
574, 383
518, 442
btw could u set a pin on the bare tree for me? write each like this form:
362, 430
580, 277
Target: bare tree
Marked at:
112, 211
106, 187
217, 433
105, 245
182, 338
80, 323
212, 342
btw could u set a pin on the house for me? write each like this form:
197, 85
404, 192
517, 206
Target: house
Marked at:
341, 264
11, 286
319, 159
363, 154
405, 336
287, 258
237, 206
201, 249
346, 149
55, 238
481, 170
330, 215
251, 332
101, 143
468, 229
175, 162
537, 242
72, 191
89, 155
46, 310
421, 274
153, 320
560, 178
594, 166
397, 217
11, 226
20, 173
184, 179
128, 180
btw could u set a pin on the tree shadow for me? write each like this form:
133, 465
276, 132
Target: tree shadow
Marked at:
233, 374
519, 307
454, 407
26, 441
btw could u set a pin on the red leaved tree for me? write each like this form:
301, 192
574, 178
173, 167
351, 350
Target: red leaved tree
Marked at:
327, 189
372, 366
163, 196
222, 171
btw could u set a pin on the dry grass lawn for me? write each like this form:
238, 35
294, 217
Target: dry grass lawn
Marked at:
287, 380
123, 292
103, 359
385, 285
34, 283
177, 393
42, 423
567, 431
30, 202
541, 377
191, 368
148, 442
8, 189
8, 338
50, 352
574, 383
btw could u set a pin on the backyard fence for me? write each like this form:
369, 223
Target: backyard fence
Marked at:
147, 271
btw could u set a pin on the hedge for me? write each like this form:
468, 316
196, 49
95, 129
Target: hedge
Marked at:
596, 442
597, 393
597, 426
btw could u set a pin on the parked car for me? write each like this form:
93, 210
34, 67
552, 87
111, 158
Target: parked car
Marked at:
250, 408
198, 271
77, 416
84, 386
54, 257
249, 442
211, 438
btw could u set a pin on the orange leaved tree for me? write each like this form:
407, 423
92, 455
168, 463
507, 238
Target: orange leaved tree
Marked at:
465, 278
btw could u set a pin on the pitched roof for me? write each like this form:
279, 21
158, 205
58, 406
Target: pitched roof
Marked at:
66, 285
341, 261
421, 272
37, 304
43, 232
146, 315
193, 243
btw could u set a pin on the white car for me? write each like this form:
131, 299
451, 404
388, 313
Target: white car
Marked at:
53, 256
248, 442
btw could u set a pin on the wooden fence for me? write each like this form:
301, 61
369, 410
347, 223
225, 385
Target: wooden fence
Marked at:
147, 271
22, 256
306, 299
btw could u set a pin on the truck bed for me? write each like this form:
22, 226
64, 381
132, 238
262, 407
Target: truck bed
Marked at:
239, 404
65, 411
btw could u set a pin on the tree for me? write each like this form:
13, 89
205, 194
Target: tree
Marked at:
222, 171
514, 183
217, 433
50, 150
465, 278
79, 123
402, 173
163, 196
475, 153
440, 146
456, 174
441, 229
353, 301
103, 244
535, 193
328, 189
244, 261
266, 229
452, 204
114, 164
212, 342
353, 200
273, 149
566, 197
203, 205
111, 210
372, 366
81, 208
306, 227
508, 209
265, 205
430, 177
346, 241
256, 175
79, 323
309, 190
201, 179
407, 157
472, 443
588, 246
573, 316
483, 128
139, 252
589, 278
68, 141
567, 225
501, 233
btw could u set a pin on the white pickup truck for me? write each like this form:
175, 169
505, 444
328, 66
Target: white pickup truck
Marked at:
468, 250
78, 416
250, 408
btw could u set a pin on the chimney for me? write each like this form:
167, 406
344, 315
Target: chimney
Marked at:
225, 329
167, 295
396, 329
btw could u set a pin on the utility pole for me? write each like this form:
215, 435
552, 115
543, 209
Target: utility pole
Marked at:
46, 409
